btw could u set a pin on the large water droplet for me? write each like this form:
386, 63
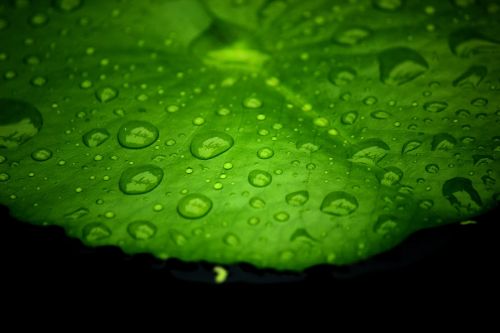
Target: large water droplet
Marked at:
461, 194
339, 203
141, 230
210, 144
140, 179
95, 137
401, 65
466, 43
19, 122
259, 178
194, 206
137, 134
471, 78
370, 151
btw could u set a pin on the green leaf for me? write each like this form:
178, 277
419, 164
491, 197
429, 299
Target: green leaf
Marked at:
284, 134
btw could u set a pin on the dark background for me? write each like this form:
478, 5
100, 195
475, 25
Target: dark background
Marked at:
453, 257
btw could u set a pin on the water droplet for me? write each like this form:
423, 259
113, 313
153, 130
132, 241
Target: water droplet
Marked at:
77, 214
388, 5
141, 230
198, 121
349, 118
479, 102
463, 113
259, 178
480, 160
352, 36
194, 206
463, 3
298, 198
223, 112
231, 239
380, 114
461, 194
41, 155
370, 152
341, 76
95, 137
4, 177
177, 237
307, 147
95, 232
401, 65
303, 235
265, 153
339, 203
391, 176
38, 20
257, 202
137, 134
432, 168
252, 103
443, 142
253, 221
435, 106
210, 144
140, 179
19, 122
466, 43
106, 94
281, 216
386, 226
411, 146
67, 5
38, 81
471, 78
426, 204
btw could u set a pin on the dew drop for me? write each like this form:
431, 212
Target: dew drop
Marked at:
194, 206
137, 134
140, 179
259, 178
210, 144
